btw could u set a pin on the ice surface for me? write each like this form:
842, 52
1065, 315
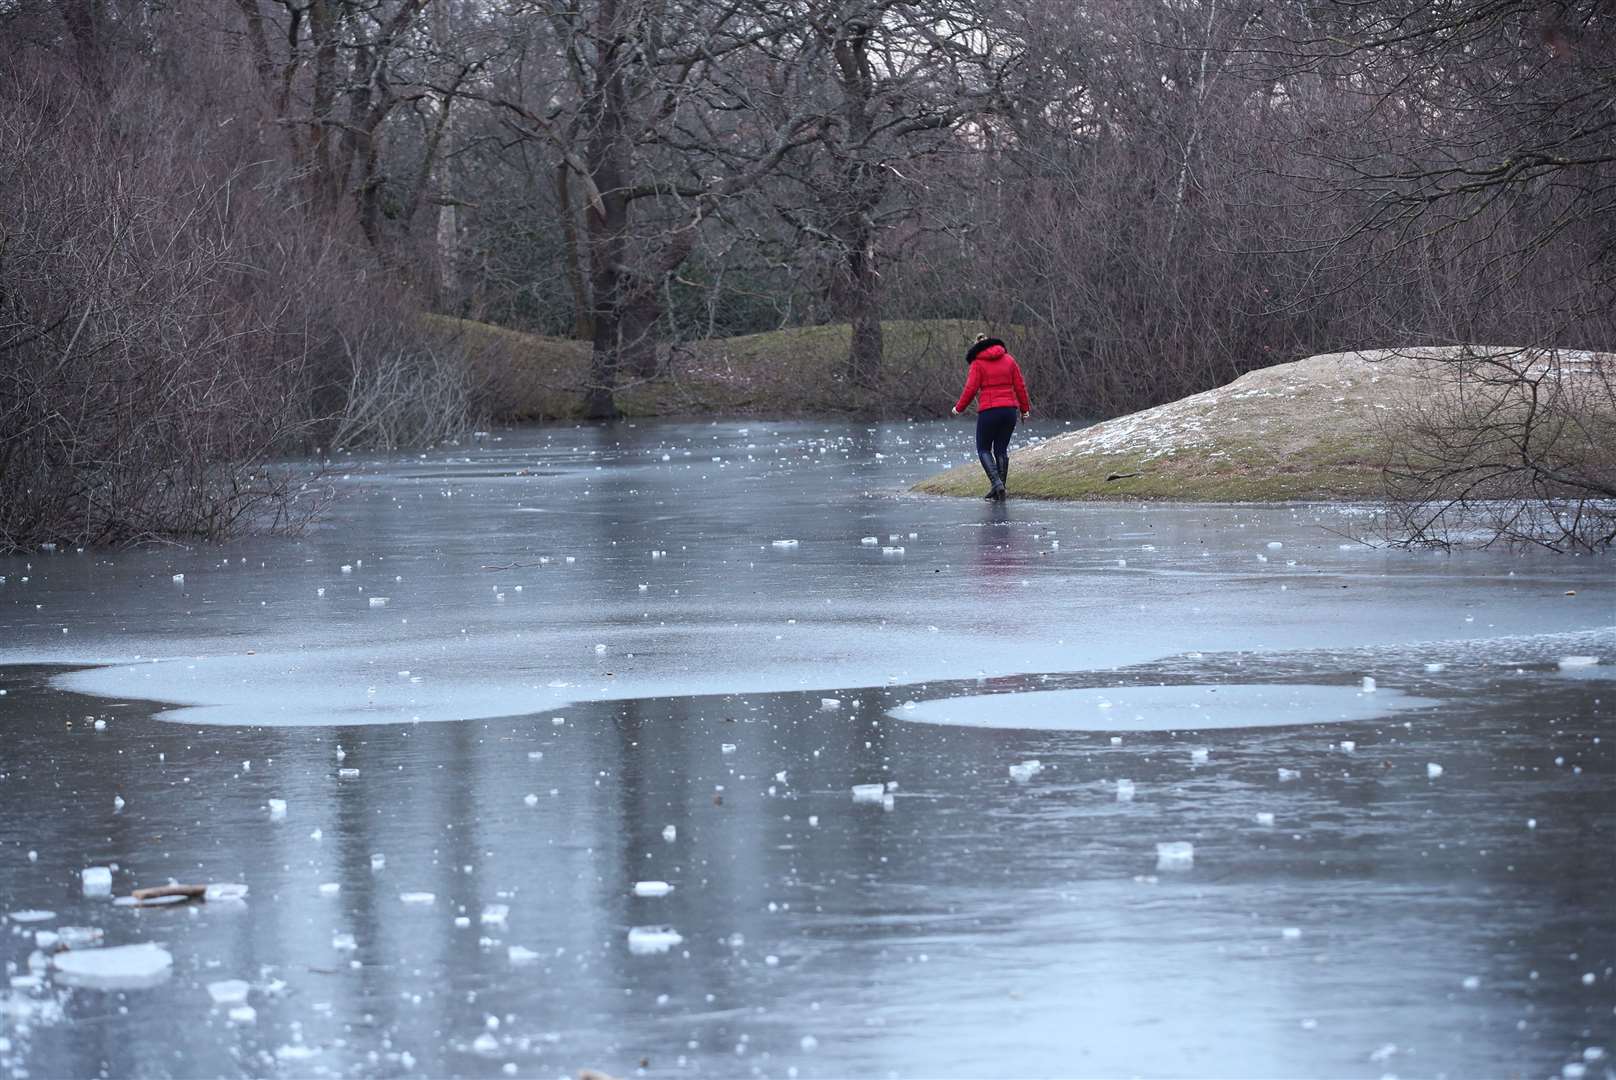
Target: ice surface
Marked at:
1175, 855
1163, 708
652, 888
646, 940
121, 967
97, 881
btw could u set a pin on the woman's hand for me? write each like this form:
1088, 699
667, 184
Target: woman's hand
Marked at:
952, 411
1026, 414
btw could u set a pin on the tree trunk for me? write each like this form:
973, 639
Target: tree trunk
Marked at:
583, 324
864, 354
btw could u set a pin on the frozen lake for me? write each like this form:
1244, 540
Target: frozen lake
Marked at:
535, 671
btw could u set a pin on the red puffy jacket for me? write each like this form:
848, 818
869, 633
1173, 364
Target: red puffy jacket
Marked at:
995, 373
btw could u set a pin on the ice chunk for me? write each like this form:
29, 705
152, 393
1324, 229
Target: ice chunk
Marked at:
809, 1043
1199, 756
1567, 662
726, 748
1434, 668
179, 579
670, 833
418, 897
97, 881
518, 954
378, 861
1026, 770
1287, 775
46, 939
785, 543
123, 967
485, 1044
1432, 770
1291, 933
347, 773
1116, 740
1125, 791
530, 799
1347, 746
892, 551
228, 992
1274, 545
535, 755
243, 1014
1471, 982
646, 940
870, 541
652, 888
1175, 855
1265, 819
378, 601
79, 937
495, 914
31, 916
1368, 684
330, 888
277, 808
221, 891
830, 703
343, 942
870, 793
117, 802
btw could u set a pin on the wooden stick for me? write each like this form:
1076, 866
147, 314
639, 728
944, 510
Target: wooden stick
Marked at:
193, 891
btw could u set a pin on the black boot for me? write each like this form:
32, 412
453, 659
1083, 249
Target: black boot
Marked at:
1003, 461
991, 467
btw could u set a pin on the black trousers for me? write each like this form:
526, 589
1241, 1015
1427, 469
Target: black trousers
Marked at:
993, 430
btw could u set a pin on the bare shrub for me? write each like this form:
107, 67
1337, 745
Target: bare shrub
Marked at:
1512, 445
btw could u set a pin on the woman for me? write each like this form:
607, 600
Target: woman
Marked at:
997, 377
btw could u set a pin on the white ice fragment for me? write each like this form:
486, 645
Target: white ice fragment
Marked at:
123, 967
100, 725
646, 940
1274, 545
868, 793
1567, 662
670, 833
1434, 668
892, 551
379, 601
347, 773
46, 939
870, 541
377, 861
225, 891
179, 579
1291, 933
417, 897
652, 888
1265, 818
726, 748
809, 1043
117, 802
1287, 775
1125, 791
535, 755
1368, 684
888, 802
1471, 982
31, 916
1175, 855
97, 881
317, 835
1026, 770
495, 914
330, 888
518, 954
829, 704
1199, 755
485, 1044
343, 942
228, 991
243, 1014
1432, 770
277, 808
530, 799
1347, 746
462, 922
346, 568
785, 543
1116, 740
79, 937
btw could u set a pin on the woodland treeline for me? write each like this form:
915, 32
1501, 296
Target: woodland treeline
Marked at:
220, 219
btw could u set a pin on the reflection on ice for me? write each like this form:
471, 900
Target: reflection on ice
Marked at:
1165, 708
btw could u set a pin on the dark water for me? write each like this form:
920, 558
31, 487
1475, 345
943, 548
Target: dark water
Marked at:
1387, 922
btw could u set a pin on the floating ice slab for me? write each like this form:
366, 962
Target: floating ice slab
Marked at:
1026, 770
277, 808
784, 543
1288, 775
670, 833
1199, 756
830, 703
646, 940
1175, 855
495, 914
1569, 662
1433, 770
418, 897
1125, 791
520, 954
652, 888
228, 991
1265, 819
97, 881
1163, 708
31, 916
871, 793
123, 967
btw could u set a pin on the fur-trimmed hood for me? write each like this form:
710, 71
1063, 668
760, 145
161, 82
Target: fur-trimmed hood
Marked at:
983, 346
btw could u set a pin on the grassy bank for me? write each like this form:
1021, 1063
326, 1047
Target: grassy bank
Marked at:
1313, 429
793, 372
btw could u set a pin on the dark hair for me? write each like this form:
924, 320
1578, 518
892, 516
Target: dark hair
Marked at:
983, 343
